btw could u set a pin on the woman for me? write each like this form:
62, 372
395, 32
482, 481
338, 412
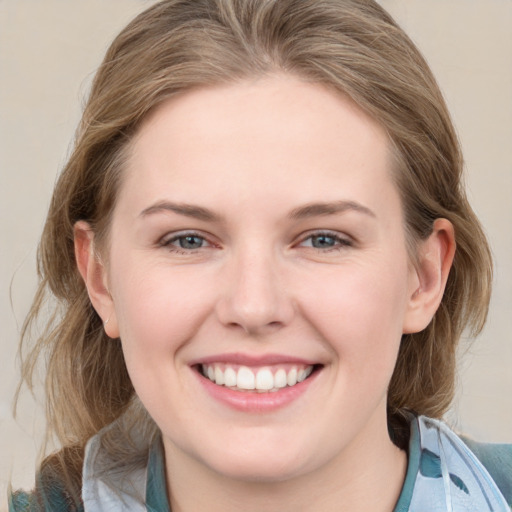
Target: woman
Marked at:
264, 259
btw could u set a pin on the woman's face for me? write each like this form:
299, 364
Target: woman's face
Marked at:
260, 278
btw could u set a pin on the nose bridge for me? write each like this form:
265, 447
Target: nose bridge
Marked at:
255, 297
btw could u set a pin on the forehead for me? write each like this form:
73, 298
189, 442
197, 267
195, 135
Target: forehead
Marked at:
274, 136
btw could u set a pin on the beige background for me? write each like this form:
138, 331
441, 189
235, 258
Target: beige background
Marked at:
49, 50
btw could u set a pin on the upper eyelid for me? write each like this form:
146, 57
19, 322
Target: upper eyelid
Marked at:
325, 232
171, 237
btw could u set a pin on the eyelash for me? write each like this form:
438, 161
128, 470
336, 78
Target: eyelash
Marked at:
340, 242
168, 243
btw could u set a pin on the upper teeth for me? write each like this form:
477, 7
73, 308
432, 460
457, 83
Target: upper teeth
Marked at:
261, 379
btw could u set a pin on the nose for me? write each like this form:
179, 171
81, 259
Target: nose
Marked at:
254, 296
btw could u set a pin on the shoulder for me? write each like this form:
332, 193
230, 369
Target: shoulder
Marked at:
51, 500
20, 501
58, 485
472, 476
497, 459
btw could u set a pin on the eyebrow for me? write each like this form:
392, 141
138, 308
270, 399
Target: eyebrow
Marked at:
302, 212
330, 208
188, 210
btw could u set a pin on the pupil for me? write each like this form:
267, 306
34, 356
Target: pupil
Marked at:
321, 241
190, 242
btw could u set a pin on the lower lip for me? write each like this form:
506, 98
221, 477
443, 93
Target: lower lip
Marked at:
252, 401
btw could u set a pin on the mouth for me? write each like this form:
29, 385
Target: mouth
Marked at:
264, 379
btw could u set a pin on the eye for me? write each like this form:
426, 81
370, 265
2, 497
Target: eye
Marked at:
185, 242
325, 241
190, 242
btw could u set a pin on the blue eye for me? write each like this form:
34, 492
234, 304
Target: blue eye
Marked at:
189, 241
185, 242
325, 241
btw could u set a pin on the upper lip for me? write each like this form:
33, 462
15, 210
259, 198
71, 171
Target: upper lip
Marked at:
252, 359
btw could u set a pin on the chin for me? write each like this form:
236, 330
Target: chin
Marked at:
264, 465
265, 472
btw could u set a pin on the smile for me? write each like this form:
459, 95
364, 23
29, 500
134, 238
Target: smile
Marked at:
260, 380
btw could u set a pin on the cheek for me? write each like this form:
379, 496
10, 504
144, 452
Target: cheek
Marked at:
360, 312
158, 309
159, 312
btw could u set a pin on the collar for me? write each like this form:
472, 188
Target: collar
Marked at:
442, 475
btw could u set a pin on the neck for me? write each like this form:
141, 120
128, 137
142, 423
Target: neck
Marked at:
368, 475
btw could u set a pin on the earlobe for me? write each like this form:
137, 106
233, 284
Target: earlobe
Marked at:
94, 274
429, 276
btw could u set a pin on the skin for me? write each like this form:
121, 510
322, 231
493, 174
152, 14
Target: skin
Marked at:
253, 154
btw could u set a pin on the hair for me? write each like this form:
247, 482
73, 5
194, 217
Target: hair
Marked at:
353, 47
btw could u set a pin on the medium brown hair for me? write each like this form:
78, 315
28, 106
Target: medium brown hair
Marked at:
352, 46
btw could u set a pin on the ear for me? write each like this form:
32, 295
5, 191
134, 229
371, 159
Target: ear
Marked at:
428, 276
94, 274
